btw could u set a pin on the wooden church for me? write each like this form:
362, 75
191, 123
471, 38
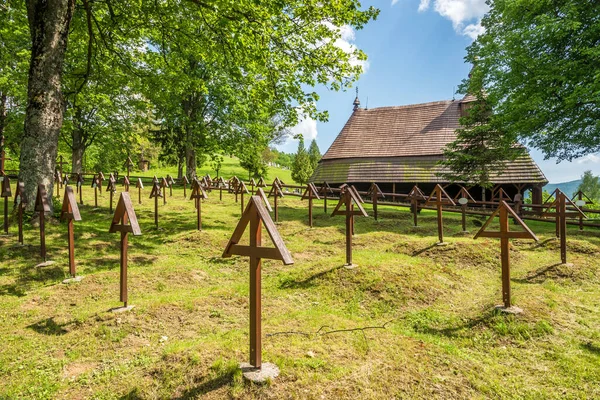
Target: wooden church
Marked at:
398, 147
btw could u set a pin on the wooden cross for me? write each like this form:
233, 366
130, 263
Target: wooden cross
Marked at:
128, 164
111, 188
276, 192
356, 195
310, 193
2, 155
42, 206
139, 185
60, 164
198, 194
325, 191
349, 200
440, 197
504, 211
20, 204
95, 184
463, 198
57, 178
560, 213
156, 193
155, 179
6, 193
241, 190
375, 193
126, 183
499, 194
70, 212
101, 180
65, 179
80, 181
233, 187
256, 215
185, 182
261, 183
252, 184
124, 221
170, 182
415, 196
163, 185
260, 193
581, 202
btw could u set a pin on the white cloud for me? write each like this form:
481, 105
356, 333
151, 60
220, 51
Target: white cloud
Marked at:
345, 42
307, 127
465, 14
589, 159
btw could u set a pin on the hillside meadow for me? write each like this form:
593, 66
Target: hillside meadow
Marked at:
430, 326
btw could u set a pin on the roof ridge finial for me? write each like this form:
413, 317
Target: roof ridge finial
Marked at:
356, 101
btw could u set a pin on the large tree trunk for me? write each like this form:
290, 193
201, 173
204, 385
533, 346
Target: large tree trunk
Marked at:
190, 162
49, 27
2, 113
78, 150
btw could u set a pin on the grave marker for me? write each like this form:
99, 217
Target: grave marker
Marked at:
348, 199
111, 188
185, 182
256, 215
70, 212
324, 191
440, 198
260, 193
375, 193
155, 194
101, 180
128, 165
582, 201
95, 184
463, 198
139, 185
241, 189
60, 164
126, 183
504, 210
57, 179
124, 221
261, 183
6, 193
42, 206
198, 194
310, 193
2, 155
276, 192
498, 194
163, 185
80, 181
170, 182
561, 214
415, 195
20, 203
252, 184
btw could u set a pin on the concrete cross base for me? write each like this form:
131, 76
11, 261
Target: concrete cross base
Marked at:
73, 280
261, 375
121, 309
350, 266
46, 264
441, 244
510, 310
568, 265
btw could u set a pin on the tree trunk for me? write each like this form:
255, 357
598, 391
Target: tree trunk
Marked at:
2, 113
180, 162
78, 151
190, 162
49, 22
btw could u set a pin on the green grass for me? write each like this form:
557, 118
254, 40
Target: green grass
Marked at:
443, 340
229, 168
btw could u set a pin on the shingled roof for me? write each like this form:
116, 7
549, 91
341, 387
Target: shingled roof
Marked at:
404, 144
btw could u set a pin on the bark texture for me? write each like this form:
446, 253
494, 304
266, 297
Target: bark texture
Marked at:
49, 22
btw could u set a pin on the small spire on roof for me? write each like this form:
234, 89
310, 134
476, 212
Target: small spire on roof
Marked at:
356, 101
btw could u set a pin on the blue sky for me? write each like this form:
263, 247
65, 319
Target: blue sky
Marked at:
416, 52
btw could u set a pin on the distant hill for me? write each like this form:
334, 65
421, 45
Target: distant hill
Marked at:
566, 187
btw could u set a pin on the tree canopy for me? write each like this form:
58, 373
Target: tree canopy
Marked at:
540, 61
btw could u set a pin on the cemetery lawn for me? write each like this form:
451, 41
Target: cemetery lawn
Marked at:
439, 335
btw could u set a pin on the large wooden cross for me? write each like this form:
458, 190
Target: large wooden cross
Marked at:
198, 194
439, 197
124, 221
310, 193
560, 213
499, 194
6, 193
375, 193
415, 196
42, 206
348, 199
70, 212
504, 211
463, 197
20, 204
256, 215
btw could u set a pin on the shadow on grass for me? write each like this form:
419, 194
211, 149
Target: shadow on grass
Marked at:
48, 327
454, 331
419, 252
288, 283
208, 386
30, 275
591, 347
550, 272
